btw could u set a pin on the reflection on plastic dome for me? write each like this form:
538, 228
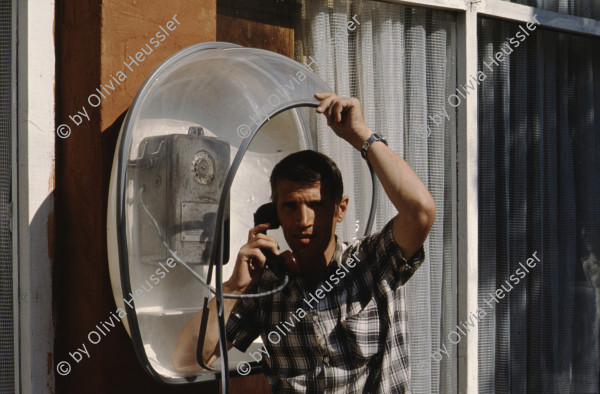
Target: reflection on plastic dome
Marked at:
196, 118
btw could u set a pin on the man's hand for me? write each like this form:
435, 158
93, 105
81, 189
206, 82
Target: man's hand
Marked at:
345, 117
250, 262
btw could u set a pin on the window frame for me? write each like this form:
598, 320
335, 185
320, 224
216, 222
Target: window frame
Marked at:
14, 205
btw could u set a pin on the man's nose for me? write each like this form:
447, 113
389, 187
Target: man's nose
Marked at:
305, 216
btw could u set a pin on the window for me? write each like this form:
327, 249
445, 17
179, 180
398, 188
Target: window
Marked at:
538, 182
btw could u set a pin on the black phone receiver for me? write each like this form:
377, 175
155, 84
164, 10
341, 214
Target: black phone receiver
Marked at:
285, 262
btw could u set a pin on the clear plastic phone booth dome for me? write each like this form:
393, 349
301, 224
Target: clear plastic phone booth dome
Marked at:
193, 161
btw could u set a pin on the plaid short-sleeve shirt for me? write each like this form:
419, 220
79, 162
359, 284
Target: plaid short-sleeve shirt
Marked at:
347, 335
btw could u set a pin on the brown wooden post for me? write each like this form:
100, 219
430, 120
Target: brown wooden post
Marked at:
93, 39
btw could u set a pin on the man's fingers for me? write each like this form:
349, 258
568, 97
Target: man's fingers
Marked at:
257, 230
333, 106
256, 259
330, 109
326, 99
323, 95
324, 106
336, 111
253, 255
253, 251
262, 241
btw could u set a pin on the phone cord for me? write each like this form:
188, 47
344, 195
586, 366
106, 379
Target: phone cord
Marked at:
374, 198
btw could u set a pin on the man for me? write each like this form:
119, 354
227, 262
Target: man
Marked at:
340, 325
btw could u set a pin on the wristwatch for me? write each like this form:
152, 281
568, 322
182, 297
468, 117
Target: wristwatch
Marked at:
373, 138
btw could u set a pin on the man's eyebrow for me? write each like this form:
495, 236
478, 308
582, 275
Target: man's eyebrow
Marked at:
308, 201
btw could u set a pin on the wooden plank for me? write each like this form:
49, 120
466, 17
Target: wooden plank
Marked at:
254, 34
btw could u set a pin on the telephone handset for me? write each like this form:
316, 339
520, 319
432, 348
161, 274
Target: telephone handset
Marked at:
285, 262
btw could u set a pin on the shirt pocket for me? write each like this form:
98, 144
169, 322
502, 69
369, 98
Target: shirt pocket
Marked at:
363, 332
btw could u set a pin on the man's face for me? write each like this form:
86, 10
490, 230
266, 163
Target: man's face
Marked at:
308, 217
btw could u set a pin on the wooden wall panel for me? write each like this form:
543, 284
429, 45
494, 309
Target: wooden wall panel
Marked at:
93, 39
255, 34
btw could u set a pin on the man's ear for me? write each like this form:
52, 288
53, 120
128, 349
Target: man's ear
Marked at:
341, 209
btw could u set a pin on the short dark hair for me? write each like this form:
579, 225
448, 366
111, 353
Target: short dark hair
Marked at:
308, 167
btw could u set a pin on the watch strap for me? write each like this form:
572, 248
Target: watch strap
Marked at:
373, 138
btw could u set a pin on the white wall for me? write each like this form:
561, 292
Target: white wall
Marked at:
35, 151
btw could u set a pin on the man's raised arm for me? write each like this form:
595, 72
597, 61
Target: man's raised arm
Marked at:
415, 205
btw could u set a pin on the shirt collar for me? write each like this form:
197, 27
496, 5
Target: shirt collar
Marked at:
334, 264
337, 256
